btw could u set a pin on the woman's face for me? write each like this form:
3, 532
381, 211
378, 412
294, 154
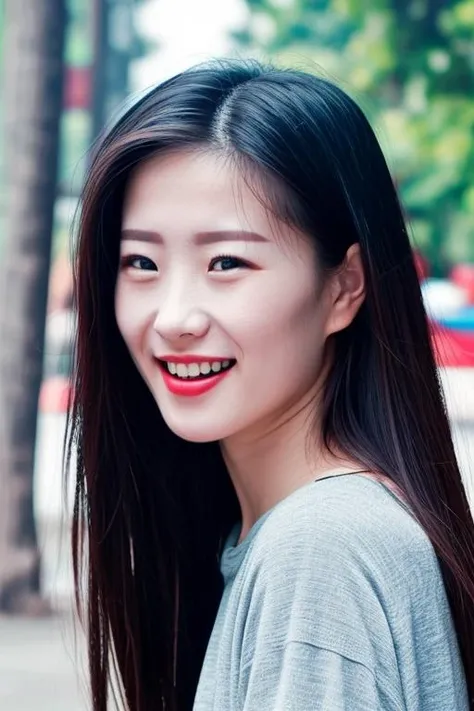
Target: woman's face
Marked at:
213, 289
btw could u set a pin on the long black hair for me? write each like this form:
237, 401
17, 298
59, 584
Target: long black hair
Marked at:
152, 510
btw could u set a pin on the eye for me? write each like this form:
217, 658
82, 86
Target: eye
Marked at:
226, 263
139, 262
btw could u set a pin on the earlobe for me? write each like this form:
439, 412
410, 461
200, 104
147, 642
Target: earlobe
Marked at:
348, 290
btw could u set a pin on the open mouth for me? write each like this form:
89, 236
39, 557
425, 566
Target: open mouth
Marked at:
198, 370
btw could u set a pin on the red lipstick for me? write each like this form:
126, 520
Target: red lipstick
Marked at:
191, 387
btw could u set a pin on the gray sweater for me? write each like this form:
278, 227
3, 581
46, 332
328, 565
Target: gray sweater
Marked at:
334, 601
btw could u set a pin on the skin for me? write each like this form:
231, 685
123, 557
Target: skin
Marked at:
268, 307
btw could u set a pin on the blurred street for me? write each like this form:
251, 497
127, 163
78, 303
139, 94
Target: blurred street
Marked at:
42, 661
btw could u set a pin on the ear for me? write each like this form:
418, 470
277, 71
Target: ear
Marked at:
346, 291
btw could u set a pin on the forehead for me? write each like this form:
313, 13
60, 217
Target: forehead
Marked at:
193, 192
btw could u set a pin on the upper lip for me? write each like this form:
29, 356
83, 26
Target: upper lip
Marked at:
187, 359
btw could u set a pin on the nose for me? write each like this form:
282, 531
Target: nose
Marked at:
176, 319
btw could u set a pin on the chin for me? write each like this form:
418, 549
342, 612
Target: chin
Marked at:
195, 430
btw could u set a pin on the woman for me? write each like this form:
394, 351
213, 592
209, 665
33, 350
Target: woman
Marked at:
263, 450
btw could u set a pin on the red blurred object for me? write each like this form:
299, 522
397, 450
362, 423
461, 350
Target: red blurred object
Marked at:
78, 88
463, 275
453, 348
421, 265
54, 395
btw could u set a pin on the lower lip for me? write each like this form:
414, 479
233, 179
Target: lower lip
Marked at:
191, 388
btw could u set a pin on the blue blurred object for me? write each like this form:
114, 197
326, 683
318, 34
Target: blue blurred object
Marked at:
463, 320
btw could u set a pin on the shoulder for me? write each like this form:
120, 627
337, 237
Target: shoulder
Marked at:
350, 526
342, 565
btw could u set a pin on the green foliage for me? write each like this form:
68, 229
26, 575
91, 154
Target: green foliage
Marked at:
79, 35
1, 26
410, 63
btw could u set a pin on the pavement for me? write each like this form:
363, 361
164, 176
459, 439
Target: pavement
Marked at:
42, 661
41, 665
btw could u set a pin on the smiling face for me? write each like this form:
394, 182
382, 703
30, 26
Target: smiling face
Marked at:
219, 305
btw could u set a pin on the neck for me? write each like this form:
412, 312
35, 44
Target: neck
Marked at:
267, 467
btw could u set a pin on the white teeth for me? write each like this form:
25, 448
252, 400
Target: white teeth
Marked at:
182, 370
193, 370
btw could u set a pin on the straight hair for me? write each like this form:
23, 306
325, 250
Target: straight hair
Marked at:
151, 510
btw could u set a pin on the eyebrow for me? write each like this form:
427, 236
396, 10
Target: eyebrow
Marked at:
200, 238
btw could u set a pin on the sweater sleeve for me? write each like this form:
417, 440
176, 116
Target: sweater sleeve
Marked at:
309, 678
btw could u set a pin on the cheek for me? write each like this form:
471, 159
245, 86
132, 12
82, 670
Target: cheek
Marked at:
284, 324
131, 315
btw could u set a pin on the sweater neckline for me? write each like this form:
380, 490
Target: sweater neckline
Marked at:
233, 553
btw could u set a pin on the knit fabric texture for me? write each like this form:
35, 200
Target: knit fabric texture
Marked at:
334, 601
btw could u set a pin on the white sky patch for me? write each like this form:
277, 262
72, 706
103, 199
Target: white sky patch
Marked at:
188, 32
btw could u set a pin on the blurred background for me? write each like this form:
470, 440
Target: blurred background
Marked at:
68, 69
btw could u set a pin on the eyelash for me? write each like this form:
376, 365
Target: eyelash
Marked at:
129, 259
221, 257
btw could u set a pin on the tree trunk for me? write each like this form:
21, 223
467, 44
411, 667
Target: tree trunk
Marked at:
32, 104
